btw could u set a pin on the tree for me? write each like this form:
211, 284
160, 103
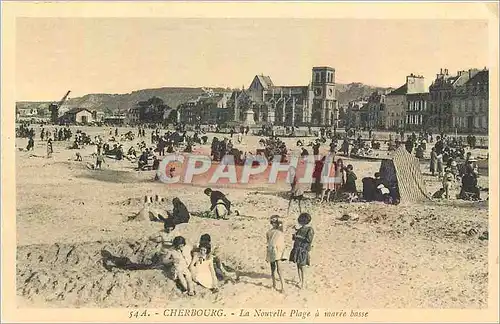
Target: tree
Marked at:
152, 110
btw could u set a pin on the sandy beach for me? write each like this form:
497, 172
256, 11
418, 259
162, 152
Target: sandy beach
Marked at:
404, 256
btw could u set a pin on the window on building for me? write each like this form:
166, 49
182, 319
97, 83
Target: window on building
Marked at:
322, 76
317, 77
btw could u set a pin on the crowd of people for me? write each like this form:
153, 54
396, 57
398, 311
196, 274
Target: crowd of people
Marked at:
203, 264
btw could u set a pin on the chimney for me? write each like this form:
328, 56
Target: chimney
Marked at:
441, 71
445, 71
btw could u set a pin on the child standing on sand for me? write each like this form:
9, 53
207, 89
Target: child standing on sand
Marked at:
50, 150
302, 243
276, 249
448, 179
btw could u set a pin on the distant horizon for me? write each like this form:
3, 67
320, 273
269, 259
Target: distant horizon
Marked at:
193, 87
122, 55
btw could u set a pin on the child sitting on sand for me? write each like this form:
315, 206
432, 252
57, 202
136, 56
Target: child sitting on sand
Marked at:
276, 249
179, 258
221, 270
202, 268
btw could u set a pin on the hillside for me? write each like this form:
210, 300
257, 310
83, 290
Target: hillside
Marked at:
114, 103
353, 91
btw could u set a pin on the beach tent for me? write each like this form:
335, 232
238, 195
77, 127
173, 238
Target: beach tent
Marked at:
402, 172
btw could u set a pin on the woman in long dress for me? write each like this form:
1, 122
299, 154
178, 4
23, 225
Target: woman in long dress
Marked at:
328, 174
302, 243
276, 249
432, 166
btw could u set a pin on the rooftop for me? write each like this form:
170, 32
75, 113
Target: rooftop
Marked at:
323, 68
399, 91
265, 81
480, 78
76, 111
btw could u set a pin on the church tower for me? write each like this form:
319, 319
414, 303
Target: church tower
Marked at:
324, 110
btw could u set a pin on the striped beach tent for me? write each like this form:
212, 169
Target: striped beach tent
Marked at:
402, 172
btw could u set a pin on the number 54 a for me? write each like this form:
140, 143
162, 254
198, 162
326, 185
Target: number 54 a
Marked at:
137, 314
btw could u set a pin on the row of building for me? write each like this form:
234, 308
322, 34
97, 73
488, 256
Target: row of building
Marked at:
452, 103
263, 102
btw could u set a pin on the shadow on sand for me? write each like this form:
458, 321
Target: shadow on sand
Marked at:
116, 176
482, 204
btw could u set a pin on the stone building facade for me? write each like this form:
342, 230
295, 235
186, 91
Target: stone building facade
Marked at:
441, 93
417, 111
265, 103
470, 104
376, 110
397, 104
357, 113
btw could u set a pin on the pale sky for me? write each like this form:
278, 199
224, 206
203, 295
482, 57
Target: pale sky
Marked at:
120, 55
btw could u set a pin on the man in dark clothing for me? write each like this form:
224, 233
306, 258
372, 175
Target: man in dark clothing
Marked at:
409, 144
143, 160
31, 144
369, 188
470, 190
215, 196
439, 146
315, 148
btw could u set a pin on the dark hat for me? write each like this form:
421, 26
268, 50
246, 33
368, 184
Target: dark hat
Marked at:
207, 191
304, 219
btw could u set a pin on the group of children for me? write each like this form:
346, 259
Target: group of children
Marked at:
200, 264
302, 244
203, 264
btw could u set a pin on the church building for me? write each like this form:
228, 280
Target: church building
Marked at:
265, 103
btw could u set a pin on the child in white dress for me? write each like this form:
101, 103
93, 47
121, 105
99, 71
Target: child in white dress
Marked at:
276, 249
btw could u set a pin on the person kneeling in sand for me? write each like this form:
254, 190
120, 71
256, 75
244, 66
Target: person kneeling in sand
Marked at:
179, 215
179, 258
220, 205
